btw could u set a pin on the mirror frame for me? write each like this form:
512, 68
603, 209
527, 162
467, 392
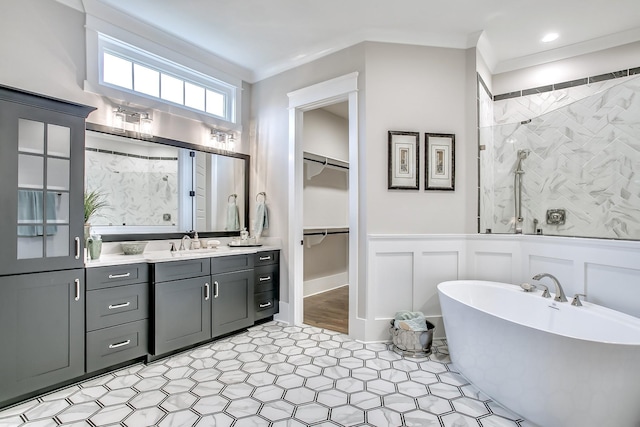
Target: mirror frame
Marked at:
179, 144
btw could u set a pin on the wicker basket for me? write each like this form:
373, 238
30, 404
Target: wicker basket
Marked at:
412, 343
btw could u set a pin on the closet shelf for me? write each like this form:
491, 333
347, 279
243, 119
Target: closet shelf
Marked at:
316, 163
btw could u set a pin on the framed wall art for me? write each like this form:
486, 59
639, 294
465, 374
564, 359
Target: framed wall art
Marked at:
404, 160
440, 161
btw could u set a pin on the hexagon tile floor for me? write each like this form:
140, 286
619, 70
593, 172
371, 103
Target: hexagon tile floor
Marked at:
274, 375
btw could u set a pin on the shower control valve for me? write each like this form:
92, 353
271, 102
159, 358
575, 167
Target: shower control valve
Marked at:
556, 216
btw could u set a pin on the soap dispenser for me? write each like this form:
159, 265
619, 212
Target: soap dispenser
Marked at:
244, 234
195, 243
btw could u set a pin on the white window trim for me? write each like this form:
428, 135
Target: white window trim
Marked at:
95, 28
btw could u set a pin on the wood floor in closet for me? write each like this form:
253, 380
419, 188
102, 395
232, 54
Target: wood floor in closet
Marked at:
329, 310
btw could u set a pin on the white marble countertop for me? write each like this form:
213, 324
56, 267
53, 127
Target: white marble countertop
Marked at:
112, 255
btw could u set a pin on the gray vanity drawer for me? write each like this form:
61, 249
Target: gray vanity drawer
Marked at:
266, 257
176, 270
266, 304
115, 306
117, 344
266, 278
225, 264
116, 275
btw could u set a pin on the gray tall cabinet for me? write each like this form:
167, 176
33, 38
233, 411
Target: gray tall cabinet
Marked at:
41, 263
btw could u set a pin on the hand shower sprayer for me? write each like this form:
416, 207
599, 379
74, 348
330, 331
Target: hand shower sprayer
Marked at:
517, 189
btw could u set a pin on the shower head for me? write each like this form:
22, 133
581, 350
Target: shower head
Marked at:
523, 154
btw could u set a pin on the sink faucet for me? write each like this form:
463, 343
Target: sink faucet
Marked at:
182, 248
560, 296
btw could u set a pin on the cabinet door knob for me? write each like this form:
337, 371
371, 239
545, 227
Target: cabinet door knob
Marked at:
215, 289
206, 291
77, 282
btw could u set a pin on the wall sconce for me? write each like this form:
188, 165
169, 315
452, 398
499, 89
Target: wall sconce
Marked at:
222, 140
140, 120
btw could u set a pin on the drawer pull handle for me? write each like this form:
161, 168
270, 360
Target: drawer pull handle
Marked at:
119, 276
124, 304
268, 304
206, 291
265, 258
120, 344
264, 279
77, 282
215, 289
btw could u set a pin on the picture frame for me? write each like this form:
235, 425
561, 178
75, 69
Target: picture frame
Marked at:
440, 161
404, 160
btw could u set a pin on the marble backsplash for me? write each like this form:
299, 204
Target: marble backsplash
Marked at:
584, 145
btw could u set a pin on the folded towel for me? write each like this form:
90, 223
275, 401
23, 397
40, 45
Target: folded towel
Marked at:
416, 325
233, 216
405, 314
262, 219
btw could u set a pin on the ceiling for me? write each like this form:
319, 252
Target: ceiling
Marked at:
267, 37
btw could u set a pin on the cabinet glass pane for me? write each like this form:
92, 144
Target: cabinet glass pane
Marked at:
58, 174
30, 171
57, 240
30, 136
57, 208
58, 141
29, 246
30, 209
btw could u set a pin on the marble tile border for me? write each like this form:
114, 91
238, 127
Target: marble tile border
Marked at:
563, 85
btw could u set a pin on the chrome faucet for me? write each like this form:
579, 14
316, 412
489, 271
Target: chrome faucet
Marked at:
560, 296
182, 248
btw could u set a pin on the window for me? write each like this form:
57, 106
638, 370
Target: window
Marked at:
127, 68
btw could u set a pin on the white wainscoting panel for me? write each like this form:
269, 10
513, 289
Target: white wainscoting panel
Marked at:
615, 287
403, 271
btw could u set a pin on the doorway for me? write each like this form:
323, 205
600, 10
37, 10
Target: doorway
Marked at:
341, 91
325, 217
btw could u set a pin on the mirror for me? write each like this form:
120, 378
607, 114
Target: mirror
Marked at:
157, 187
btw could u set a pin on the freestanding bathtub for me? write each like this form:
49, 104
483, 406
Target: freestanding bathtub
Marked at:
555, 364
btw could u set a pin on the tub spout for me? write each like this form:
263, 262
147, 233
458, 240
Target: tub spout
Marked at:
560, 296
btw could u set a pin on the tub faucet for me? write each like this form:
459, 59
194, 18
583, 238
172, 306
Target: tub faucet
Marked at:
182, 248
560, 296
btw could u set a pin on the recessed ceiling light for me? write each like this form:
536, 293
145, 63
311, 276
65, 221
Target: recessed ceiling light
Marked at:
549, 37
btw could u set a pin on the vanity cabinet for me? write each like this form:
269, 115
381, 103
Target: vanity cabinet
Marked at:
267, 284
117, 313
41, 331
182, 304
232, 302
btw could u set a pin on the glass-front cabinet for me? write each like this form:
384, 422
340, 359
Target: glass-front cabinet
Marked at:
42, 143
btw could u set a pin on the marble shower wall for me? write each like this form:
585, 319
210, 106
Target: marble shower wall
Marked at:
584, 157
141, 189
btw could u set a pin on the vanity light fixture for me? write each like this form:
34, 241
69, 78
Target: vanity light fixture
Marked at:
139, 119
222, 140
145, 125
119, 119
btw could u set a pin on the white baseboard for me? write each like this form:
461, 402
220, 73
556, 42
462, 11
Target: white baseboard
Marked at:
324, 284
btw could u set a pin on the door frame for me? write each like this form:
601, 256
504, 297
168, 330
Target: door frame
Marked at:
339, 89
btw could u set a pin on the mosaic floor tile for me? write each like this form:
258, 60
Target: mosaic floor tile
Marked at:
273, 375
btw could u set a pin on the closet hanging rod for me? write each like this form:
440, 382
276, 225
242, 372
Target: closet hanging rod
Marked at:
326, 163
325, 233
